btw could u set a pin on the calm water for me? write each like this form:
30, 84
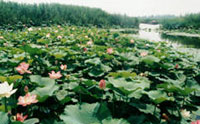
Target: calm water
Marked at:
151, 32
190, 45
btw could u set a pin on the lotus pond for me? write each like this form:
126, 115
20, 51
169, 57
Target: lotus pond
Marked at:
79, 75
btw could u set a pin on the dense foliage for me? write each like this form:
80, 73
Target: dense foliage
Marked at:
45, 14
154, 19
190, 21
105, 78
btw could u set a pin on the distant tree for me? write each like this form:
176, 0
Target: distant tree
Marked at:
12, 13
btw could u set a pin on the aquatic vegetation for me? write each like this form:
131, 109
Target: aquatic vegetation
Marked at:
20, 117
6, 90
28, 99
80, 75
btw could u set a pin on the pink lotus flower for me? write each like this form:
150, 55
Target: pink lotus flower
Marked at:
85, 49
158, 50
143, 54
48, 35
1, 37
110, 50
30, 29
196, 122
63, 67
26, 89
56, 31
23, 68
58, 26
132, 41
176, 66
20, 117
28, 99
59, 37
54, 75
102, 84
89, 43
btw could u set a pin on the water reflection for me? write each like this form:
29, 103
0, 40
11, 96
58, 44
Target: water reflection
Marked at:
149, 26
150, 35
151, 32
190, 42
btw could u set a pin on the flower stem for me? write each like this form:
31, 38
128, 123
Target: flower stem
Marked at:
102, 92
154, 112
5, 103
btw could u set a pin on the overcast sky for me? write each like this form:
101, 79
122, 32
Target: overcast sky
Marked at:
134, 7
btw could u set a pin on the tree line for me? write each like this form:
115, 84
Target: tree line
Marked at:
190, 21
17, 14
154, 19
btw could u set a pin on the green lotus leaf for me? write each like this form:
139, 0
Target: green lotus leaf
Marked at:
94, 61
158, 96
147, 108
99, 70
46, 87
114, 121
130, 86
4, 118
150, 60
31, 50
122, 74
31, 121
85, 113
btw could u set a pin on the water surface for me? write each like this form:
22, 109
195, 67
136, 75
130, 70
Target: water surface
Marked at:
152, 33
189, 44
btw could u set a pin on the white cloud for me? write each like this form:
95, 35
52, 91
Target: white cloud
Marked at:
134, 7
